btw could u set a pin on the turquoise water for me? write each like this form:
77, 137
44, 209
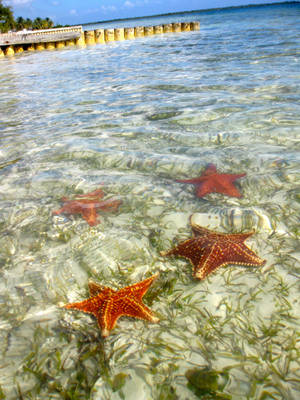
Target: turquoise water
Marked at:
131, 117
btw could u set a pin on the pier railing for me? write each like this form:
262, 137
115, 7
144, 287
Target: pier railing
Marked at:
40, 36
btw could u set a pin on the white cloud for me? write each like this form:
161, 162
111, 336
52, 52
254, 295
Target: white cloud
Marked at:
73, 12
108, 8
55, 3
128, 4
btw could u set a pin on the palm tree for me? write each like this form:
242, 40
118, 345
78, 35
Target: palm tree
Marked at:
49, 23
37, 23
28, 23
20, 23
7, 21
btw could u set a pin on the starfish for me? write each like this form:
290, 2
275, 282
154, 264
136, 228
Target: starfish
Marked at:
211, 181
108, 305
208, 250
87, 205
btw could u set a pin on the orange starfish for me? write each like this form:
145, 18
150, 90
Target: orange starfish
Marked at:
208, 251
87, 205
108, 305
211, 181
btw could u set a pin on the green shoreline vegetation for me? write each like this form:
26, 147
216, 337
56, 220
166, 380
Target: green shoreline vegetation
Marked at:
9, 23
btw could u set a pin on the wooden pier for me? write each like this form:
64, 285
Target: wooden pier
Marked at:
50, 39
40, 36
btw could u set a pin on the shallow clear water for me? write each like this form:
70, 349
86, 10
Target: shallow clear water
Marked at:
132, 117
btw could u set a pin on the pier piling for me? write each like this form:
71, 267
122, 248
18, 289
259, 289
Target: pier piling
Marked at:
158, 29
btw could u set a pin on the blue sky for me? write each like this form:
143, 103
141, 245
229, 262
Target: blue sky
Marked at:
79, 11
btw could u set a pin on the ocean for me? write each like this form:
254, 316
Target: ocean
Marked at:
127, 120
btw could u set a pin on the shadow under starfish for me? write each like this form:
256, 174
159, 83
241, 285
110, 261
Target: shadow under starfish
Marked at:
87, 206
208, 250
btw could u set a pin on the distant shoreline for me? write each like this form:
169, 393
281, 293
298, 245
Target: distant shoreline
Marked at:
192, 11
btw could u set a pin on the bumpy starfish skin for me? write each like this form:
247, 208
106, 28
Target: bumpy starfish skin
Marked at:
108, 305
211, 181
209, 250
87, 205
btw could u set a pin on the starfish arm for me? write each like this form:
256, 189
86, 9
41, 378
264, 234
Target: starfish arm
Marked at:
211, 260
136, 309
139, 289
239, 253
71, 207
112, 310
89, 306
95, 289
235, 237
90, 215
238, 237
66, 208
191, 249
58, 212
225, 186
211, 169
97, 194
222, 254
204, 188
108, 205
107, 316
199, 230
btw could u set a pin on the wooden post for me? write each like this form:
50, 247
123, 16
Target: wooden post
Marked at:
40, 46
59, 45
89, 38
158, 29
109, 35
149, 31
81, 40
70, 42
176, 27
119, 34
99, 36
129, 33
185, 26
195, 26
139, 31
168, 28
18, 49
9, 51
50, 46
30, 47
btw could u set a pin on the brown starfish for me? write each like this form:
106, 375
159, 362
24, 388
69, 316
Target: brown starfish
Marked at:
108, 305
211, 181
208, 251
87, 205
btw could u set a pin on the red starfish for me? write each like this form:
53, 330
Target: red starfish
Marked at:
87, 205
211, 181
208, 251
108, 305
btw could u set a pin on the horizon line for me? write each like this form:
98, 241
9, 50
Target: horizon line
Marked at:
192, 11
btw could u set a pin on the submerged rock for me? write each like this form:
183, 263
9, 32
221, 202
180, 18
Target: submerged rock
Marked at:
208, 383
